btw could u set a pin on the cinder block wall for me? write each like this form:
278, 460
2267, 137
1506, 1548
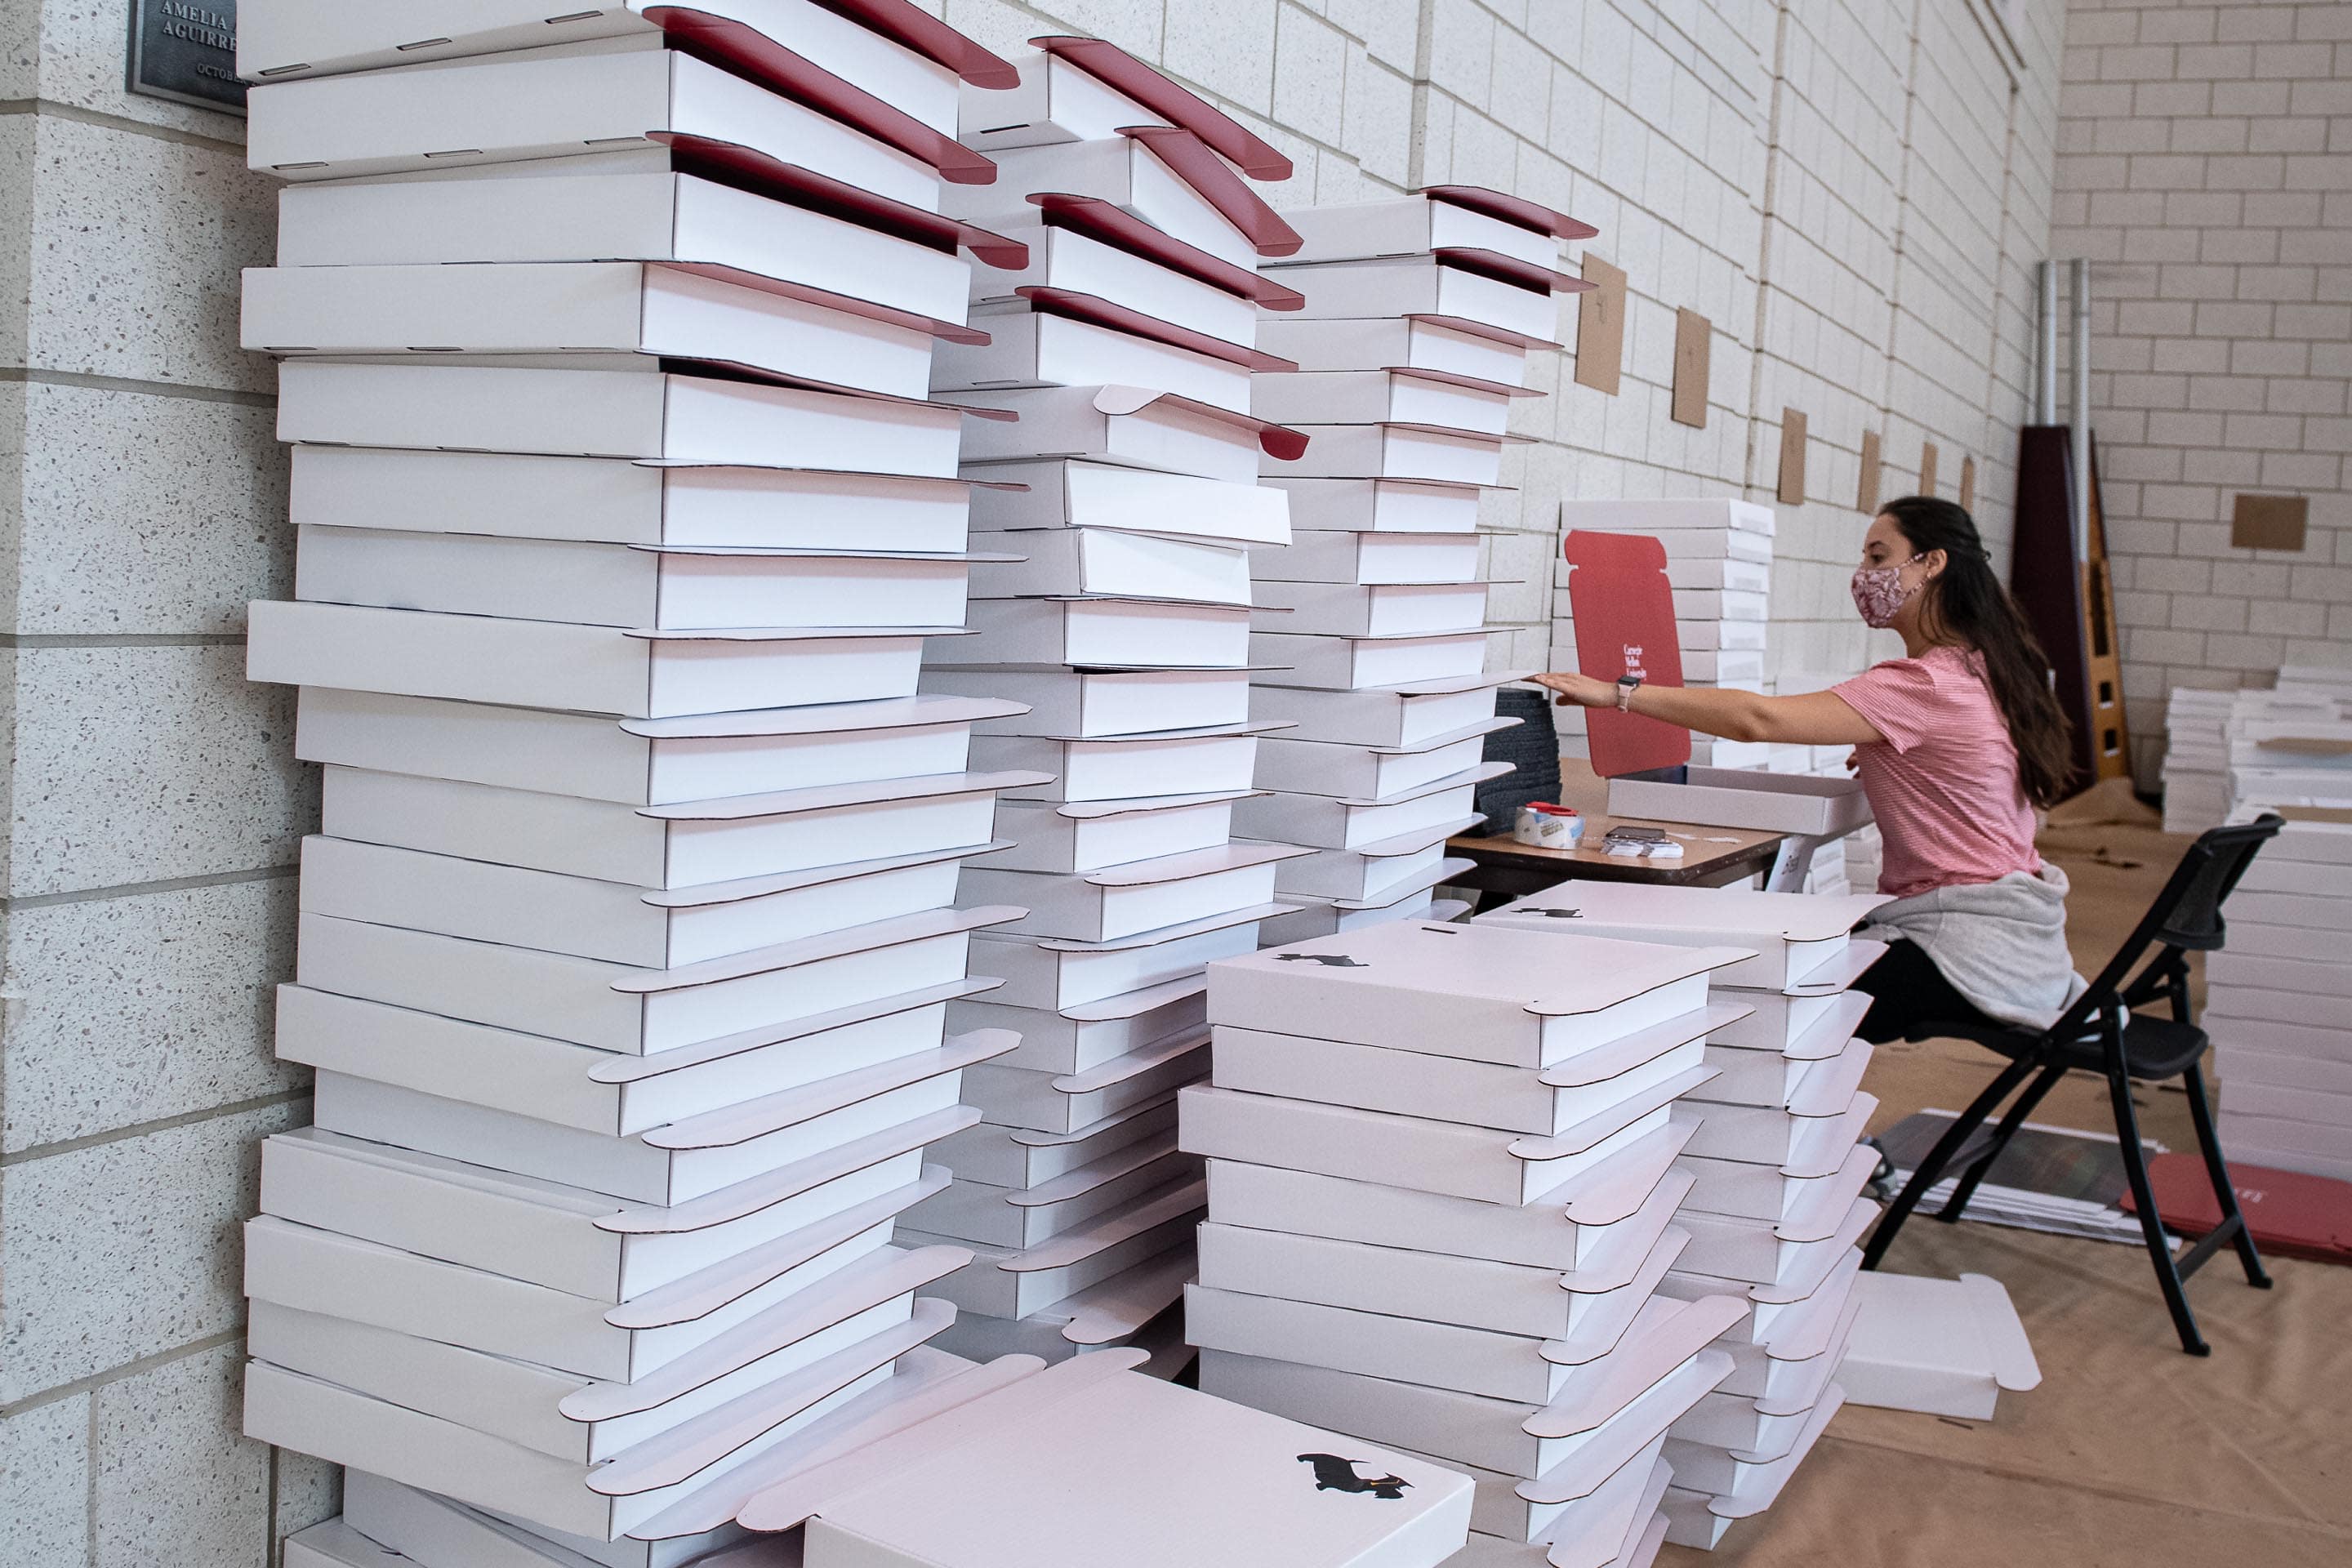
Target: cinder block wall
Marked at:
1852, 191
2205, 167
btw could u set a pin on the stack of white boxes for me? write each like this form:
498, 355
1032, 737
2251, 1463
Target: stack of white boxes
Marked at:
1128, 494
1441, 1180
2197, 759
2278, 1004
1776, 1207
1419, 318
627, 950
2291, 746
1719, 561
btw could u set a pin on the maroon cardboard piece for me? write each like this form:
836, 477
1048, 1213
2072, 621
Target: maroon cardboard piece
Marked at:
1625, 625
2291, 1214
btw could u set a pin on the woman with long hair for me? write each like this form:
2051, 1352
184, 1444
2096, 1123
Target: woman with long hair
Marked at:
1957, 742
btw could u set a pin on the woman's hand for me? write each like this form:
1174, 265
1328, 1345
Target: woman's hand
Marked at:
1581, 691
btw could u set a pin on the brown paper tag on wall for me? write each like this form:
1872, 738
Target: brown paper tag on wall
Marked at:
2270, 523
1600, 326
1866, 500
1792, 457
1968, 484
1694, 348
1928, 457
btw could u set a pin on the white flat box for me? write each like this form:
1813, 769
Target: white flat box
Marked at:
1305, 920
1713, 544
1326, 768
434, 1532
617, 413
335, 1545
1095, 835
1447, 1158
1368, 558
1021, 1158
626, 585
580, 1086
1645, 516
1744, 576
2308, 1043
1408, 713
1381, 506
2310, 944
1775, 1134
586, 919
1071, 1102
1127, 1461
2285, 1145
1130, 488
2307, 1009
557, 103
1383, 397
1080, 263
641, 761
1103, 703
1048, 972
2244, 1067
1722, 667
1370, 342
1412, 224
1124, 172
1029, 347
673, 1165
1942, 1347
628, 1008
1327, 822
582, 312
1121, 425
1546, 1103
1721, 605
2307, 911
2320, 877
1750, 1189
1373, 875
1056, 101
677, 846
1773, 1253
1327, 609
1103, 906
1126, 768
625, 501
1002, 1283
1393, 452
1747, 1076
1070, 562
1083, 1039
561, 1237
1470, 992
1131, 633
1778, 803
1356, 664
1424, 286
1022, 1217
1780, 1022
320, 1273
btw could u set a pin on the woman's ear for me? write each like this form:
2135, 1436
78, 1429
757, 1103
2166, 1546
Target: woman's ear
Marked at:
1932, 565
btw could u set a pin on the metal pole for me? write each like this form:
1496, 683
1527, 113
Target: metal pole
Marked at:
2046, 405
2082, 420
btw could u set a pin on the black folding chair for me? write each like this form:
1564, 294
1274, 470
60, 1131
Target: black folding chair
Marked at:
2101, 1033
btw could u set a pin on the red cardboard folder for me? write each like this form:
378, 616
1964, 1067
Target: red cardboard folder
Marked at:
2291, 1215
1625, 625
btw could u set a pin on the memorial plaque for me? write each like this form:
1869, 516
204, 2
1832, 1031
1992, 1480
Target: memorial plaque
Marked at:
186, 52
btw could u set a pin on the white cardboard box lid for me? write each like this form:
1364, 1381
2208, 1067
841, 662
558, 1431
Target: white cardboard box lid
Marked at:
1733, 917
1828, 1085
831, 797
1523, 971
1112, 1467
1136, 1063
1086, 1178
1201, 927
1095, 810
704, 894
1238, 855
633, 1068
1039, 1138
1116, 401
1821, 1261
1116, 743
1133, 1003
337, 1544
771, 1187
1115, 225
1149, 1212
1404, 844
827, 718
739, 1123
1665, 1335
1124, 74
1818, 1214
1657, 1408
433, 1531
1643, 1046
1920, 1340
1477, 774
893, 933
1123, 1304
1419, 882
1770, 1478
1839, 970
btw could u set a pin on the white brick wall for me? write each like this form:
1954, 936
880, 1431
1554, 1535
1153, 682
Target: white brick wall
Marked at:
2205, 165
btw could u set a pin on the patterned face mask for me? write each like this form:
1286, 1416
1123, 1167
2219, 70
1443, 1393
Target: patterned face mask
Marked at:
1879, 592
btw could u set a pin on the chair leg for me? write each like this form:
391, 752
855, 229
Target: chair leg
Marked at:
2011, 1120
1931, 1168
2167, 1277
2224, 1192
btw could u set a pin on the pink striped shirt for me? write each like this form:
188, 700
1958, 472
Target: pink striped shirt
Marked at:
1944, 784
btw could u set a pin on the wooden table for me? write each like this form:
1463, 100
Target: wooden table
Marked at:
1712, 857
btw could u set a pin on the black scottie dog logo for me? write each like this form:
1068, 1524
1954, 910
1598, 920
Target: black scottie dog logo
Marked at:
1334, 1474
1327, 959
1563, 914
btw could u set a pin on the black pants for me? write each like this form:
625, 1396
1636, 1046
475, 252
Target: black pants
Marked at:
1907, 989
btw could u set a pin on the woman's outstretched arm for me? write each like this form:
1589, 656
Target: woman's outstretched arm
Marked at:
1815, 719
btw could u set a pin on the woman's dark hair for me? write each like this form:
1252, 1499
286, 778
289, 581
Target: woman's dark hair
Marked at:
1967, 606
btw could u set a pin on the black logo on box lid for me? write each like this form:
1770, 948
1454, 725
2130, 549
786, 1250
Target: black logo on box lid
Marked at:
1334, 1474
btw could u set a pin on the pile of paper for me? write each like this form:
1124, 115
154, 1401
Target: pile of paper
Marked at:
1412, 327
1719, 560
1773, 1145
1441, 1194
1128, 501
628, 947
2278, 1005
2061, 1180
2196, 759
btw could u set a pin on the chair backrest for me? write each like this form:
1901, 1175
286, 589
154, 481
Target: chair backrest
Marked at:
2187, 915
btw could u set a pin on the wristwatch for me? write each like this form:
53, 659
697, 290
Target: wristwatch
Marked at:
1626, 686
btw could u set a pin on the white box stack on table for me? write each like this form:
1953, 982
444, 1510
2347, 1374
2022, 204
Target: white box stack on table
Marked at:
2278, 1004
1421, 315
2197, 759
1128, 498
627, 945
1440, 1177
1776, 1208
1719, 561
2290, 747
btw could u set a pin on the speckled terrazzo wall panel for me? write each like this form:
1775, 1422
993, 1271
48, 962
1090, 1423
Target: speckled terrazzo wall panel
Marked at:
153, 814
